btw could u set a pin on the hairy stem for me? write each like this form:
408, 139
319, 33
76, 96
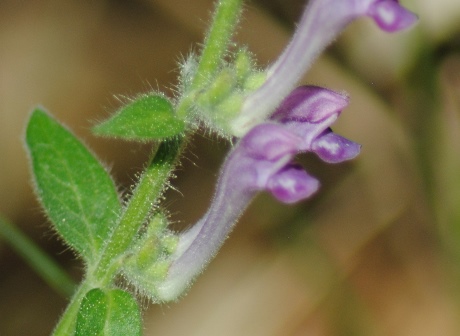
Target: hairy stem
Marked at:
152, 182
216, 43
214, 50
144, 196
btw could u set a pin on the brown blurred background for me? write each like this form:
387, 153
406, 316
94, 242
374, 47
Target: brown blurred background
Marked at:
376, 252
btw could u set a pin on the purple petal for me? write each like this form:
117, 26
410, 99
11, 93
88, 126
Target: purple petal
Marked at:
308, 112
333, 148
292, 184
390, 16
310, 104
270, 142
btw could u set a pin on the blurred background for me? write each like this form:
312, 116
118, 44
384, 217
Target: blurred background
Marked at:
375, 252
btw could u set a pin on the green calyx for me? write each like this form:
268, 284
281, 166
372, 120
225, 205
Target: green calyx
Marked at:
147, 262
219, 101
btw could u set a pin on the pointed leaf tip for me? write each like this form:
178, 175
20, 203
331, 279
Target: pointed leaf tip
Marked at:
150, 117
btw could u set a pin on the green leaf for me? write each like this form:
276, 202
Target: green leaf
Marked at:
108, 313
77, 193
150, 117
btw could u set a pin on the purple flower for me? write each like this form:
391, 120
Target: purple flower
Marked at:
262, 160
321, 23
274, 126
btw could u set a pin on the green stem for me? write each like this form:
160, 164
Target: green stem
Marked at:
225, 20
215, 47
144, 197
151, 185
152, 182
146, 194
53, 275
